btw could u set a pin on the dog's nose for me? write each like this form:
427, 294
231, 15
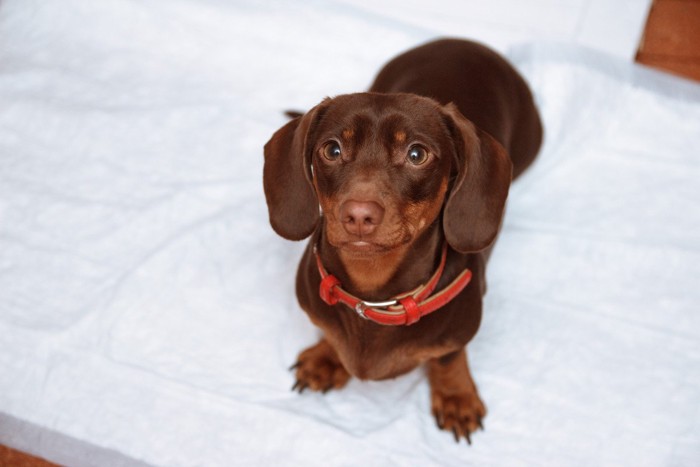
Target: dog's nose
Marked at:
361, 217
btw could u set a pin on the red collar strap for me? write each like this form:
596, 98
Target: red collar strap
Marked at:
406, 308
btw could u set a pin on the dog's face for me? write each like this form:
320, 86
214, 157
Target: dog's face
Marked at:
382, 168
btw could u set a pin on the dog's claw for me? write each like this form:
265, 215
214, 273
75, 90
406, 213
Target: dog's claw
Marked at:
295, 366
466, 435
481, 424
299, 386
438, 419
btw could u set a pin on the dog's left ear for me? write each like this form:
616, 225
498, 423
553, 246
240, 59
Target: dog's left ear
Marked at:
291, 199
474, 209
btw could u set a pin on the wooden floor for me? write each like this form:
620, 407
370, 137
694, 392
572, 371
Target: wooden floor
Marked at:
12, 458
671, 39
671, 42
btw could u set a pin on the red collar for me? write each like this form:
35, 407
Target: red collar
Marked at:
406, 308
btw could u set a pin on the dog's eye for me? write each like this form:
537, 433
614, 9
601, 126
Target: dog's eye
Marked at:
417, 155
331, 151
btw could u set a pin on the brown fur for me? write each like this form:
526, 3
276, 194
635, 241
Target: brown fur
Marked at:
425, 157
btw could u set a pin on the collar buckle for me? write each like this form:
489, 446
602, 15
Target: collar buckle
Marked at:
362, 305
360, 310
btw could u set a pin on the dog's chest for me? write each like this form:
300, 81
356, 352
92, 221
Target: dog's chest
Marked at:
372, 351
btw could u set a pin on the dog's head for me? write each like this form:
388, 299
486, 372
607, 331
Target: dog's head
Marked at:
384, 168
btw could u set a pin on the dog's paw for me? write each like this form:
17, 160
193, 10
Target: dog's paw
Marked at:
319, 369
460, 413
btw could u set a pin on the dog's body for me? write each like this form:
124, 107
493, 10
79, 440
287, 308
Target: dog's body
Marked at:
398, 173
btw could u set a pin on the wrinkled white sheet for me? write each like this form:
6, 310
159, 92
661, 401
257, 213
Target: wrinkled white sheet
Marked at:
147, 312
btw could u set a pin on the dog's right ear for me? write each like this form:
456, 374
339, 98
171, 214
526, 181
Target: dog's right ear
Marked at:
287, 180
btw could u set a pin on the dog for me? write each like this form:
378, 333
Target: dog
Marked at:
402, 190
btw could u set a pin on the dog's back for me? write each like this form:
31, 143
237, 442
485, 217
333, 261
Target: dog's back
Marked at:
485, 88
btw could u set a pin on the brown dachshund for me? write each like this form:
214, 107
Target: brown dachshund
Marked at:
402, 190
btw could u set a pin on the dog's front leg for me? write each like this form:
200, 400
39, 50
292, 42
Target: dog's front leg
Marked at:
319, 369
455, 401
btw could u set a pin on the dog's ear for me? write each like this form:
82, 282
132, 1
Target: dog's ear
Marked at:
291, 199
474, 209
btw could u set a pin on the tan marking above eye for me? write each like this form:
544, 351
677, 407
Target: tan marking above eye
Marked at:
348, 134
400, 136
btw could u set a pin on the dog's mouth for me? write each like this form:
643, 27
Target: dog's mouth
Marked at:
362, 245
370, 245
364, 248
